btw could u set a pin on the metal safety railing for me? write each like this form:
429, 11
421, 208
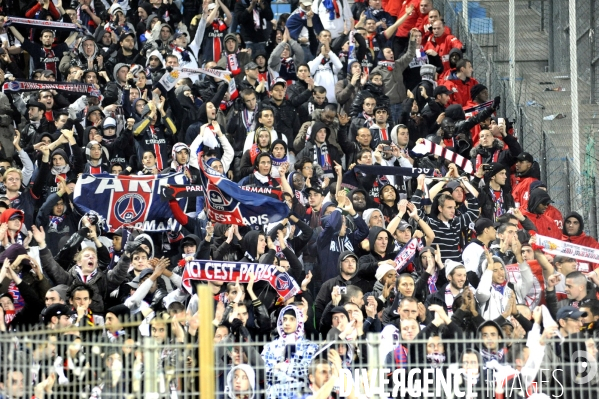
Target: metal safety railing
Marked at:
45, 364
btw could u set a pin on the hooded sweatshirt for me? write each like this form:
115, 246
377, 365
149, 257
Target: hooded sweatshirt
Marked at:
324, 295
544, 224
98, 166
580, 238
368, 264
501, 351
251, 376
323, 155
293, 349
234, 61
330, 245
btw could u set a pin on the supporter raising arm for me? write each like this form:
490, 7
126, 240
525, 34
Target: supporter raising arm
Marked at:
446, 225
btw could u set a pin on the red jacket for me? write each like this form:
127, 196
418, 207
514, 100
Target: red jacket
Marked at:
37, 7
555, 215
443, 45
585, 241
426, 34
397, 8
521, 191
544, 224
460, 89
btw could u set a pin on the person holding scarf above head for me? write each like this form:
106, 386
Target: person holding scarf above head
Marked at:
324, 155
261, 143
233, 59
262, 175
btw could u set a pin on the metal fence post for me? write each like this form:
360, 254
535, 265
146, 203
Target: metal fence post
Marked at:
465, 16
568, 198
544, 158
593, 209
151, 377
550, 37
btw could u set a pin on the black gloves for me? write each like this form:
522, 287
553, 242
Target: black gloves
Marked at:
496, 102
132, 245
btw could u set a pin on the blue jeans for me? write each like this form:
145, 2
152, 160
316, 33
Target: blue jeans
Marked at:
395, 112
256, 48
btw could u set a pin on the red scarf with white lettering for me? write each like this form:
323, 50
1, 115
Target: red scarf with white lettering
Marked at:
217, 44
233, 64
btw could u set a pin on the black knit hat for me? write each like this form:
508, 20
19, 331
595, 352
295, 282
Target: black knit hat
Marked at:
476, 90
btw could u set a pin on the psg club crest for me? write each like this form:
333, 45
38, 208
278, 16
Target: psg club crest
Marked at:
282, 282
129, 208
217, 198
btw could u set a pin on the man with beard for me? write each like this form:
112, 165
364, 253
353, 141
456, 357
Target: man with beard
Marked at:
457, 277
126, 54
47, 55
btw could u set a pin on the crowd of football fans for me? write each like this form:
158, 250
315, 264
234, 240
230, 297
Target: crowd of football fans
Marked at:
332, 105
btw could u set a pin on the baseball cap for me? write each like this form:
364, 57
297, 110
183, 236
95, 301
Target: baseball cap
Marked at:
403, 225
280, 81
339, 309
481, 224
569, 312
137, 280
211, 6
57, 309
251, 65
452, 185
525, 156
47, 73
350, 255
440, 90
306, 2
315, 189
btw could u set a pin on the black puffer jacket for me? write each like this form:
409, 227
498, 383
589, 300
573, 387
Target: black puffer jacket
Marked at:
369, 89
286, 120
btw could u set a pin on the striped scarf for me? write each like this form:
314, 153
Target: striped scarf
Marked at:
428, 147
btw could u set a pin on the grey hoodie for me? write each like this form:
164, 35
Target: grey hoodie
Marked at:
251, 375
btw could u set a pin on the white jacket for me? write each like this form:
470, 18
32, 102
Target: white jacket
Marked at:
325, 75
492, 303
